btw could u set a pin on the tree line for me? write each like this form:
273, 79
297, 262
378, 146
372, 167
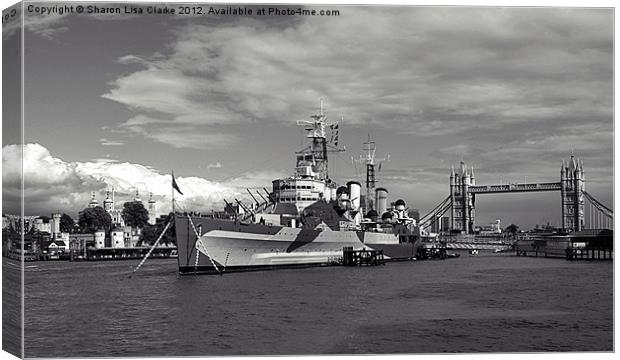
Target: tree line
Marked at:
134, 214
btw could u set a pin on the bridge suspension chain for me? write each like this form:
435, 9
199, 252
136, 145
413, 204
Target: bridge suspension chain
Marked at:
438, 211
602, 208
598, 215
438, 215
597, 219
441, 204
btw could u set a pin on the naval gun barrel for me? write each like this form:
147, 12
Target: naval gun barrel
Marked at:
243, 206
262, 197
269, 196
256, 201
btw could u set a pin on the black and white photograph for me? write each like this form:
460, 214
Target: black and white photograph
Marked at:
235, 179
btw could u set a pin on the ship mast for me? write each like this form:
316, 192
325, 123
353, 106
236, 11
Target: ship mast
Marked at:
316, 152
370, 161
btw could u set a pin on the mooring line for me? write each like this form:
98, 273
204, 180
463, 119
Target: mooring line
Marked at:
196, 261
200, 246
152, 248
226, 262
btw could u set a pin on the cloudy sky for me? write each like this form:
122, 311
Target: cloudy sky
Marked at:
115, 100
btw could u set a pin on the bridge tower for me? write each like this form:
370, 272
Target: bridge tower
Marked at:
463, 202
572, 188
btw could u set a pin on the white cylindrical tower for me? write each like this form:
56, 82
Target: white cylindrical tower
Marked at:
381, 199
55, 226
151, 209
117, 237
99, 239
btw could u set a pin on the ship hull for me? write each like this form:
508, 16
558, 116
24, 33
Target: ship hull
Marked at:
233, 246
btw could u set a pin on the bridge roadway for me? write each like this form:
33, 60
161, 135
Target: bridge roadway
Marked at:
477, 246
471, 242
490, 189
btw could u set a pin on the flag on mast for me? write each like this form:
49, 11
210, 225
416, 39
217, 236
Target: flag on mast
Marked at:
334, 131
175, 186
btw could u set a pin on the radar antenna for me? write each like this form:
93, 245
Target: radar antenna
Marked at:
316, 153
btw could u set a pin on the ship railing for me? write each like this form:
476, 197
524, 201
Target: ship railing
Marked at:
334, 260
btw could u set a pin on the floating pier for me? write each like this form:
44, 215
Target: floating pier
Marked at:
363, 257
431, 250
589, 254
591, 244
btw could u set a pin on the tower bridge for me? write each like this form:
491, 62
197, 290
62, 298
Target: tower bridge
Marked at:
461, 203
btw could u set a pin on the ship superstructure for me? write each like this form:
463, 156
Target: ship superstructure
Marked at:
310, 182
307, 219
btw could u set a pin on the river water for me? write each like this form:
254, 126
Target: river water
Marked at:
485, 303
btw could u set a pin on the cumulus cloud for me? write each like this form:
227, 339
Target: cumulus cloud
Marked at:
51, 183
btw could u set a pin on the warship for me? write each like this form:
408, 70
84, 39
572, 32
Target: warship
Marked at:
305, 220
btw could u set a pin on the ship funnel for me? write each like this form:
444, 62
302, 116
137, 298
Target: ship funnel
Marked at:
355, 192
343, 198
381, 195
